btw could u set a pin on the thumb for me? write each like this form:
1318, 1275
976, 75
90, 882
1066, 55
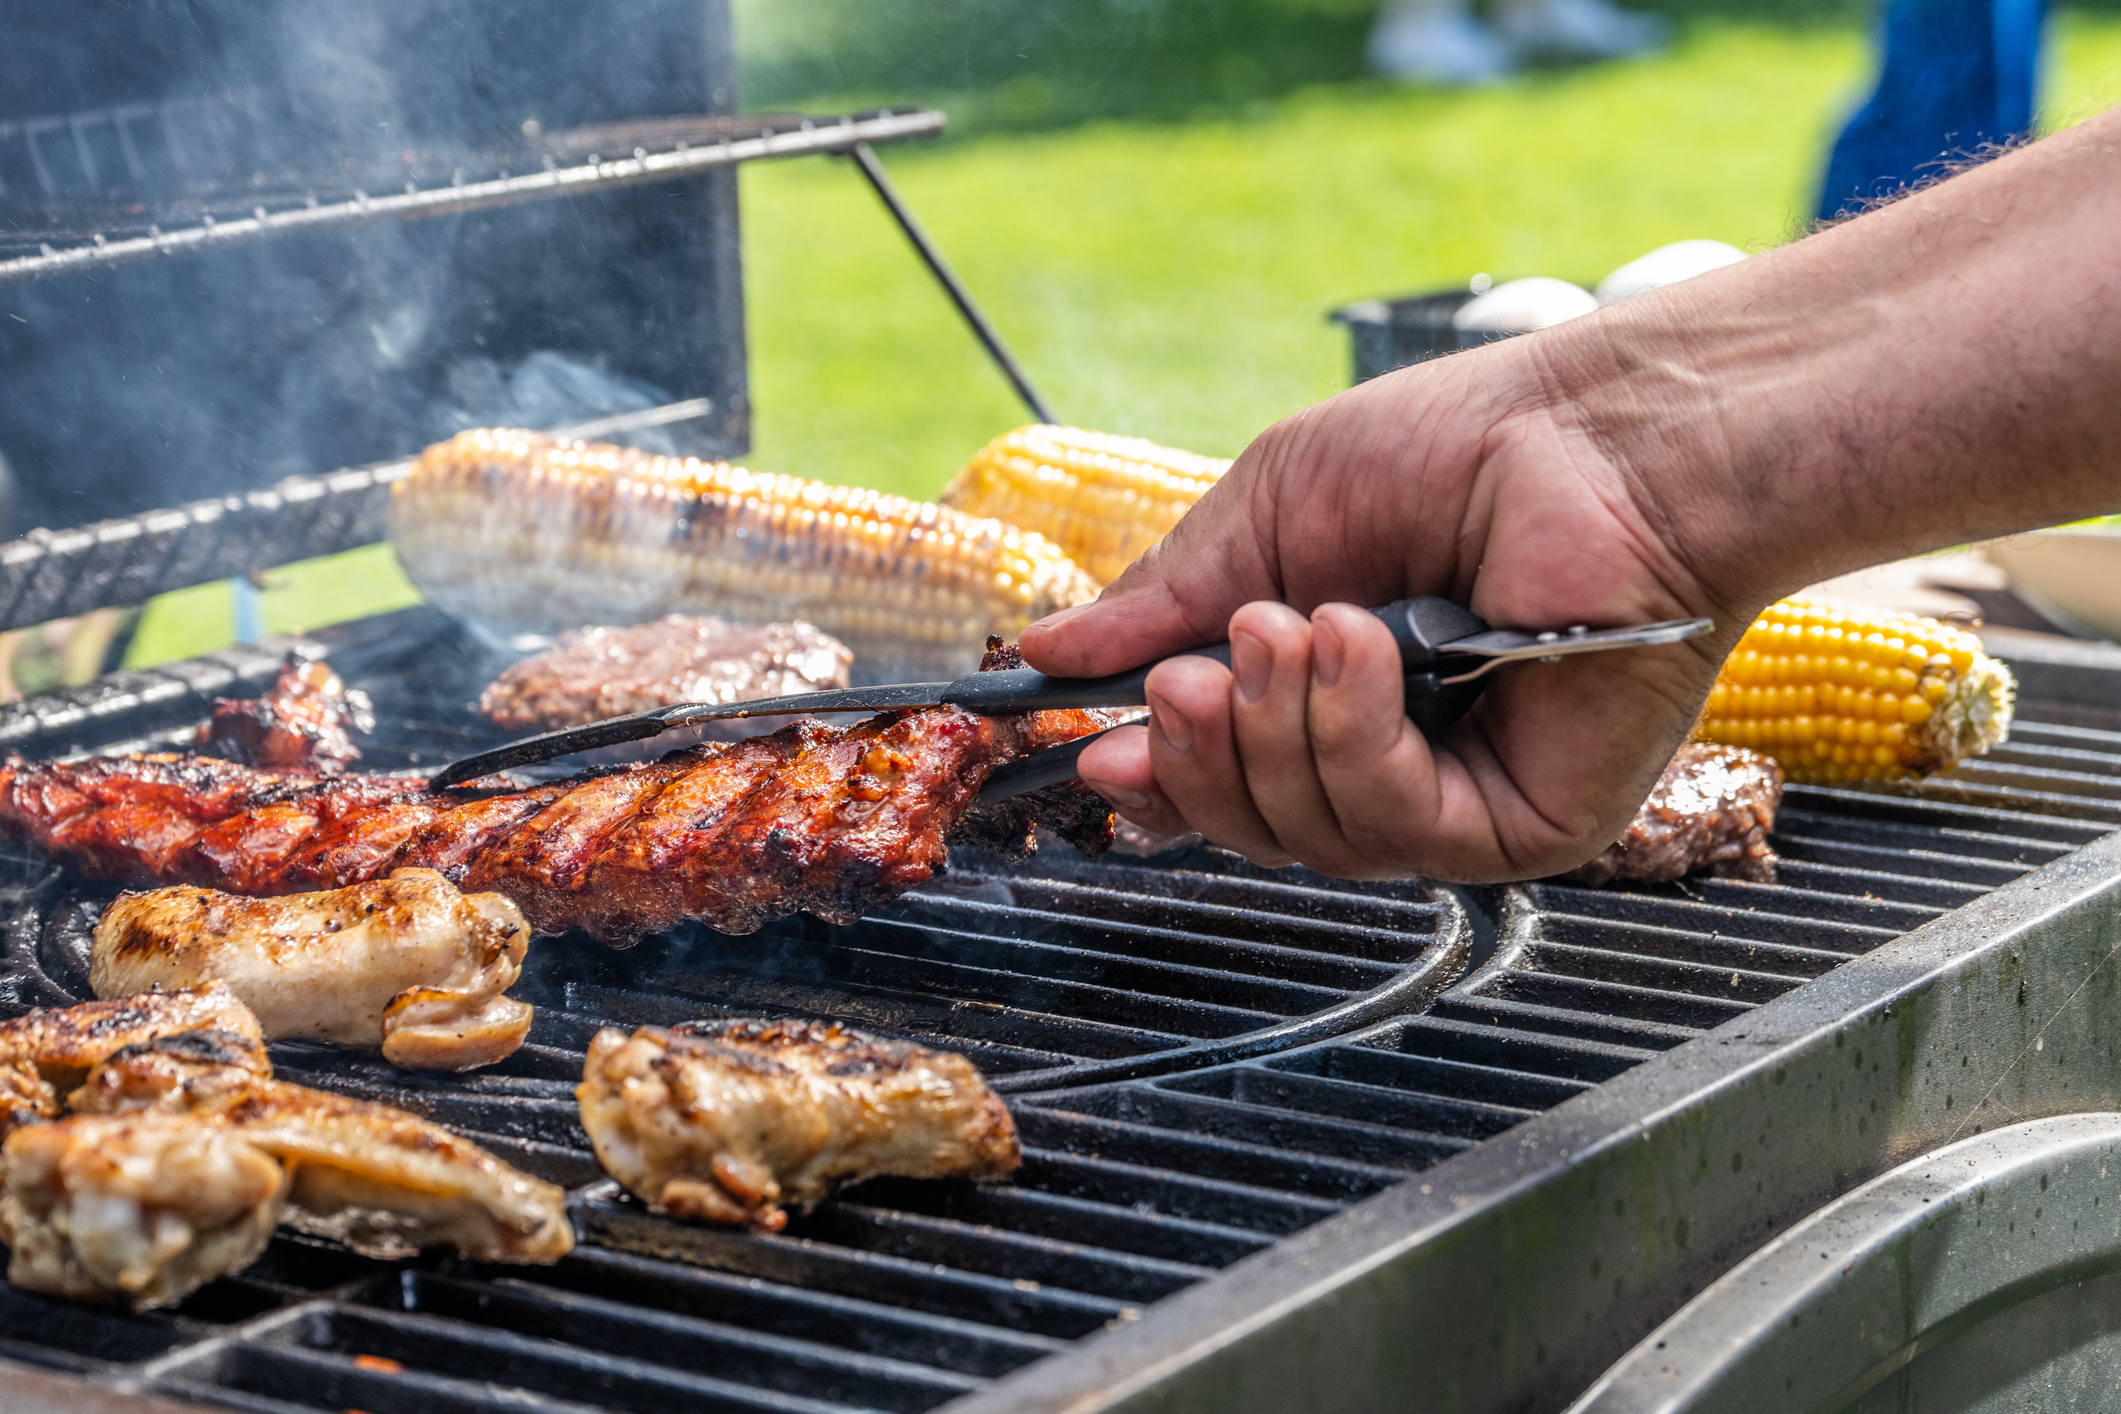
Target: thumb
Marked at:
1178, 595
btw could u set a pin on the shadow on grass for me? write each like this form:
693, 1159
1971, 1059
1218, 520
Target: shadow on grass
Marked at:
1010, 65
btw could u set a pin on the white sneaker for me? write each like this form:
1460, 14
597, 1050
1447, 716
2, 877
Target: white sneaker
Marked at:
1579, 29
1442, 46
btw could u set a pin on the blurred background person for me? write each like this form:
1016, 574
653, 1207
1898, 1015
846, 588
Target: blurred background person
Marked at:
1954, 77
1444, 42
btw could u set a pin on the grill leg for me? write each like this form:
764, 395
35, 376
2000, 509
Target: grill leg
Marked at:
947, 278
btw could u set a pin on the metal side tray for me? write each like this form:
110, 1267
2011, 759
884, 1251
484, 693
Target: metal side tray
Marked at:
1985, 1276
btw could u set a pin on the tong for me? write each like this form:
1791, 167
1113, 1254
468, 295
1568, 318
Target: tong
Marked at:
1445, 653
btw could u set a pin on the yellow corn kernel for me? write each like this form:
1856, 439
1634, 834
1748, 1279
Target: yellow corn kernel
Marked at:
1840, 692
522, 533
1102, 499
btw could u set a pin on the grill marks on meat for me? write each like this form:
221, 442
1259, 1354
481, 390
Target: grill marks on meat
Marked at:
304, 723
830, 820
181, 1153
734, 1122
46, 1052
1711, 810
384, 1182
596, 673
406, 961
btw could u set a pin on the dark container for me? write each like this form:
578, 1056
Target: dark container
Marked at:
1392, 333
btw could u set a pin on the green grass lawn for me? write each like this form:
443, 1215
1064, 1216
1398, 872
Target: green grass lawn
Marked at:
1168, 273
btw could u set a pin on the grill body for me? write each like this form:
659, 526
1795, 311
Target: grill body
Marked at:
227, 369
1290, 1143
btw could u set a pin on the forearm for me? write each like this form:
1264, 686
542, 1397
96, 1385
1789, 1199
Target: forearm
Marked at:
1942, 370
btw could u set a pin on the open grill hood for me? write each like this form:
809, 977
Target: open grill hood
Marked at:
1290, 1142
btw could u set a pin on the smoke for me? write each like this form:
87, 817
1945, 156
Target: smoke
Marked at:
159, 383
550, 389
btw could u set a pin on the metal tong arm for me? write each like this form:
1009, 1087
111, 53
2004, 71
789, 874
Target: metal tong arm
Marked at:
1498, 648
1444, 653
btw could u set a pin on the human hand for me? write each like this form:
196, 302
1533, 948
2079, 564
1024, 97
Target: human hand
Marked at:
1461, 478
1907, 380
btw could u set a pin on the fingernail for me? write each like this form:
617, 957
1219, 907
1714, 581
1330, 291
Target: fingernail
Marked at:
1054, 620
1176, 731
1251, 664
1120, 796
1327, 653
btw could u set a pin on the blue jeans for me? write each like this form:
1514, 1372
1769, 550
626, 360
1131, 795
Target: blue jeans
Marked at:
1956, 74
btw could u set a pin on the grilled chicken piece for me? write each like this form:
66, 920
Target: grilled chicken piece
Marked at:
302, 723
1711, 810
730, 1122
182, 1153
134, 1210
832, 820
407, 961
615, 672
378, 1179
118, 1212
49, 1051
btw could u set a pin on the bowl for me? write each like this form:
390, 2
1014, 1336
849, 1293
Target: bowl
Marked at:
2072, 574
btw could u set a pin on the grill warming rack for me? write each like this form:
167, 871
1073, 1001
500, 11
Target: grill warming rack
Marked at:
68, 212
58, 230
1059, 979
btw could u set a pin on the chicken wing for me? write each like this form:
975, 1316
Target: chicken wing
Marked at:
730, 1122
406, 960
48, 1051
134, 1210
382, 1181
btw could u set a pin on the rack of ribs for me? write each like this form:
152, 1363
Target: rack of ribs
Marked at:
830, 820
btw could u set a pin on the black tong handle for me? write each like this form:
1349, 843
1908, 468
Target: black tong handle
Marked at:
1421, 627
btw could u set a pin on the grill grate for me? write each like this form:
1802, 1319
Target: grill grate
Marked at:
1104, 996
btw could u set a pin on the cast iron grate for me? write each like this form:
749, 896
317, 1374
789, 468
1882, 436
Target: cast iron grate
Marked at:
903, 1295
1586, 983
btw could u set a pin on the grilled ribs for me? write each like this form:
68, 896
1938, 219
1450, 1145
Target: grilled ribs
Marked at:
830, 820
304, 722
406, 961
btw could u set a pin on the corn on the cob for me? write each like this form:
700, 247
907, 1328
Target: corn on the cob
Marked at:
1102, 499
524, 534
1840, 692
